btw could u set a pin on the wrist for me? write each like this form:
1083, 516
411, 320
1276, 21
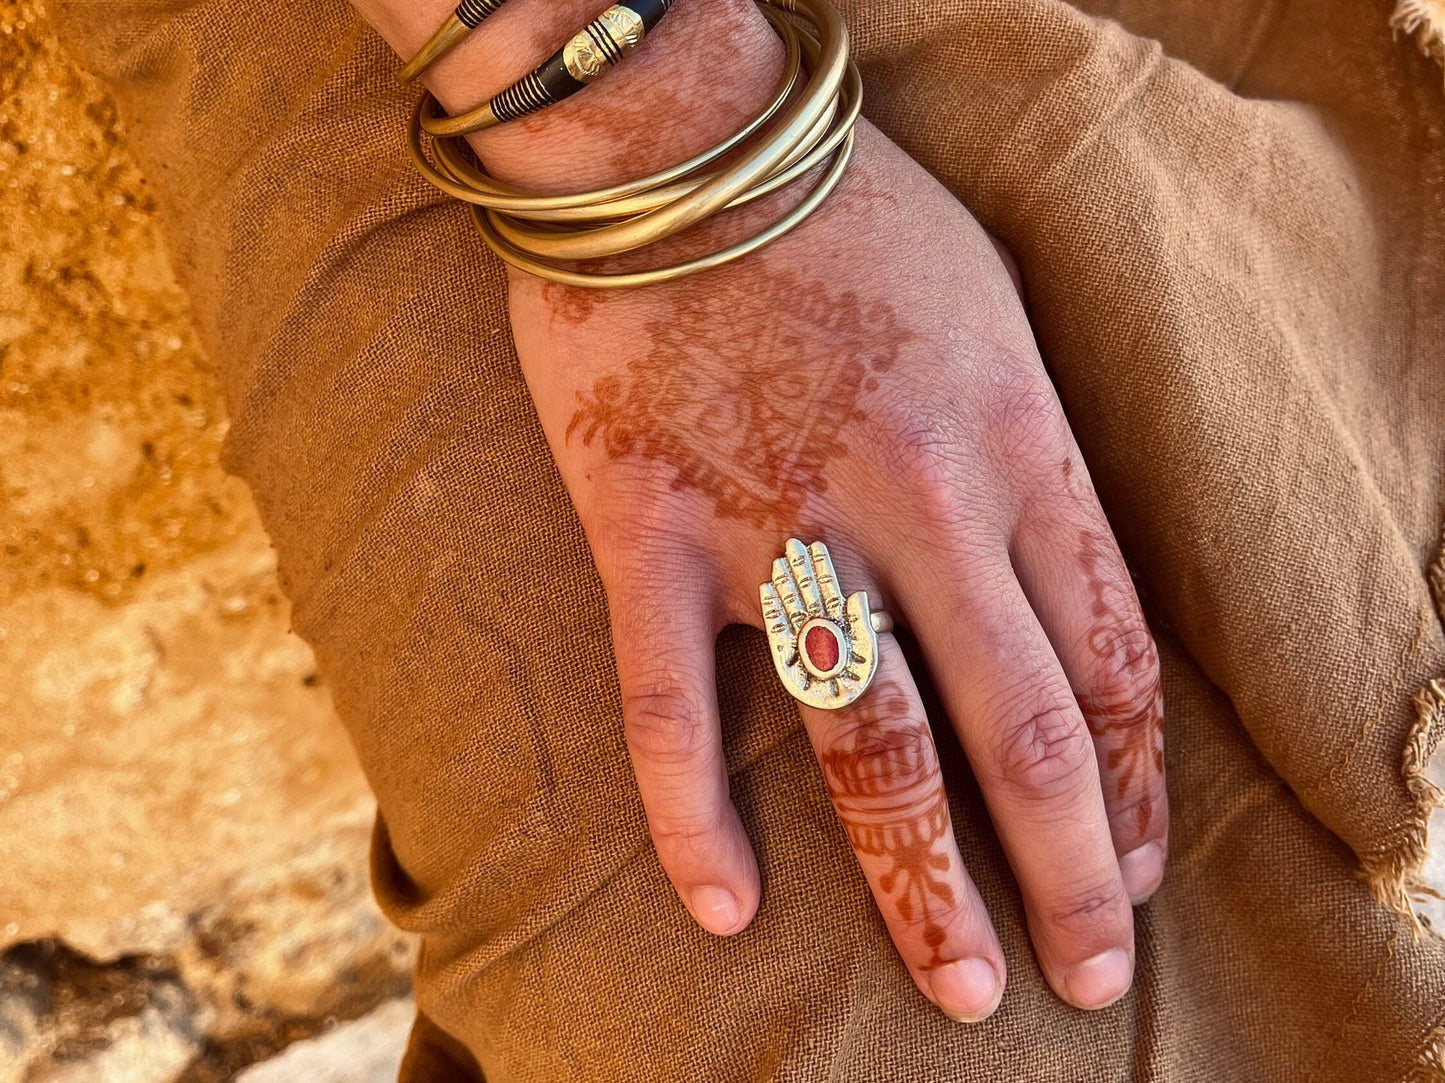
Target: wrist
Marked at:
666, 102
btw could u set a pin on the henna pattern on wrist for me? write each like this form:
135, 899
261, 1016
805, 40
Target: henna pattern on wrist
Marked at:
1127, 720
882, 773
753, 424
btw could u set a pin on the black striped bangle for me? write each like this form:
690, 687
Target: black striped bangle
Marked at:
601, 44
473, 12
459, 24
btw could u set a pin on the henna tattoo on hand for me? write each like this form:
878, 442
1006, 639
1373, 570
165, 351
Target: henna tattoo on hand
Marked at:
882, 773
753, 423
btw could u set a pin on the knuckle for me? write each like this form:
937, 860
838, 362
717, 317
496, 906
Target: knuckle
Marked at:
664, 724
920, 451
932, 471
692, 842
956, 922
1043, 749
877, 760
928, 458
880, 753
1141, 811
1100, 915
1021, 412
1123, 691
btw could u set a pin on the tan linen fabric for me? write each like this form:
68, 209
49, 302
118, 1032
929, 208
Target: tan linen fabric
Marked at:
1230, 217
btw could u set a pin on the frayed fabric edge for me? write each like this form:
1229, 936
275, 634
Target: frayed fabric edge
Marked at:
1425, 19
1430, 1065
1394, 884
1393, 876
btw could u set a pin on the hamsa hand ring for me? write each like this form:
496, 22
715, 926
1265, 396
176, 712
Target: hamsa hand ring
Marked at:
825, 647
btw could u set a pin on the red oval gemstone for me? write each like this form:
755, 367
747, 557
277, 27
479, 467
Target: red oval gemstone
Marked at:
821, 643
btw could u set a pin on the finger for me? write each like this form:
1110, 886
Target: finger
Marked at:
859, 620
1031, 752
787, 591
1079, 586
827, 580
777, 624
665, 667
800, 563
881, 769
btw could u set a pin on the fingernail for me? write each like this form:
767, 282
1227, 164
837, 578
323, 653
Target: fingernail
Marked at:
716, 909
1142, 870
967, 990
1098, 982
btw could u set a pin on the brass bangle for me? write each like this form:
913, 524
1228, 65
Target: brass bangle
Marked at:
461, 181
652, 277
831, 130
467, 16
754, 166
456, 177
588, 55
805, 128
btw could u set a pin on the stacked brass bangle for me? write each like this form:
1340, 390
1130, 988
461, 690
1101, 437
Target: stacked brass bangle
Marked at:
807, 123
468, 15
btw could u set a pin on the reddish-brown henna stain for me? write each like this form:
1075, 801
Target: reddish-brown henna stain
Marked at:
882, 773
1127, 720
752, 421
863, 185
570, 304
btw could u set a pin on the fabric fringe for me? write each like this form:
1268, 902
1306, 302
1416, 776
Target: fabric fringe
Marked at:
1426, 20
1430, 1065
1435, 574
1393, 876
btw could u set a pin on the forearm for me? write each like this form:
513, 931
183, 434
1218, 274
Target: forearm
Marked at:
699, 76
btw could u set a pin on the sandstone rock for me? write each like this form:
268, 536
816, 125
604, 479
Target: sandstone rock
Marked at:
183, 825
65, 1017
24, 997
368, 1050
148, 1048
164, 731
296, 939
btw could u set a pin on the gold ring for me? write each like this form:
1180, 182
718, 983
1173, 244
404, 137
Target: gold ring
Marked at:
824, 644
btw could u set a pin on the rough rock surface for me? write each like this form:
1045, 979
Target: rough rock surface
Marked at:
183, 825
365, 1051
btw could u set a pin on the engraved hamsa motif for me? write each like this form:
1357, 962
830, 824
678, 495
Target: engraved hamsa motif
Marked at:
824, 646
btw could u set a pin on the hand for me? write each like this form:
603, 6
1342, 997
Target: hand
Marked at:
869, 381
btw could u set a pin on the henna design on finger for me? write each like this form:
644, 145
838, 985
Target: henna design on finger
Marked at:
1125, 717
753, 422
882, 773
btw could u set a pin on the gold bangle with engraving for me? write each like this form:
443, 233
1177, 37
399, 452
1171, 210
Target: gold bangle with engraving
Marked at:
600, 45
455, 175
807, 125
